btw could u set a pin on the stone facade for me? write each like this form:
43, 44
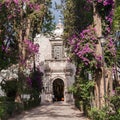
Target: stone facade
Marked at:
53, 62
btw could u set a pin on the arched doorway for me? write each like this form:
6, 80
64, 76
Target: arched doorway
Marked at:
58, 90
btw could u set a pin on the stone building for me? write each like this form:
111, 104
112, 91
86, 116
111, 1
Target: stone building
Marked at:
53, 62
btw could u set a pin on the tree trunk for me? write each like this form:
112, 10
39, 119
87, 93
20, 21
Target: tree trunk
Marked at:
22, 56
100, 81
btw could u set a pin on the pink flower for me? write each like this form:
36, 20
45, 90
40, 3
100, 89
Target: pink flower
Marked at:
16, 1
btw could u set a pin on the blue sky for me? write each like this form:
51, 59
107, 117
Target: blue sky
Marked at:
55, 12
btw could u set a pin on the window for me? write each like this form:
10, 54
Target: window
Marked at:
57, 51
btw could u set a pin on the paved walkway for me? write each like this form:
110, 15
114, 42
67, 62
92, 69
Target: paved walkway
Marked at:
55, 111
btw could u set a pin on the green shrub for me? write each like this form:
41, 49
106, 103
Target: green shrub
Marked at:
114, 117
103, 114
10, 88
97, 114
2, 111
28, 104
19, 107
115, 100
2, 98
14, 108
8, 109
111, 112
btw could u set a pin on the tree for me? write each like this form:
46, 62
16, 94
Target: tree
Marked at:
20, 21
85, 22
116, 19
77, 16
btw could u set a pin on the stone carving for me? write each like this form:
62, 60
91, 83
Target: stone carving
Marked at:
59, 29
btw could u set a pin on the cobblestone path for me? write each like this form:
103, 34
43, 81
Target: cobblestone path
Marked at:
55, 111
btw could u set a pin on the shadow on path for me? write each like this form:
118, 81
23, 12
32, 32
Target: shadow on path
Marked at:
59, 111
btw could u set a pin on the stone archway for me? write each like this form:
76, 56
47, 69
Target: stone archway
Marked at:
58, 89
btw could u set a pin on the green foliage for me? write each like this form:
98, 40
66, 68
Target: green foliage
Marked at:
103, 114
118, 52
36, 78
114, 117
116, 20
31, 103
29, 21
115, 100
48, 26
117, 90
32, 87
9, 108
10, 88
2, 110
76, 17
111, 112
7, 105
97, 114
81, 90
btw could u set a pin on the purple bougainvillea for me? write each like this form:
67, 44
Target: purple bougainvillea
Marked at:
84, 45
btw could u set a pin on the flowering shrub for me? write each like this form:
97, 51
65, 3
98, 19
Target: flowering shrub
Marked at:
31, 47
84, 47
107, 21
110, 52
19, 22
35, 80
84, 44
34, 87
106, 10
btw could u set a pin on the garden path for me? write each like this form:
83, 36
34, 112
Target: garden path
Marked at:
55, 111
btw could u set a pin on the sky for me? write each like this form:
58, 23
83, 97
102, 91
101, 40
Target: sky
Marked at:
56, 13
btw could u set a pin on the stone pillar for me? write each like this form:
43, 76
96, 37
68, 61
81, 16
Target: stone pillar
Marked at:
42, 98
65, 94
